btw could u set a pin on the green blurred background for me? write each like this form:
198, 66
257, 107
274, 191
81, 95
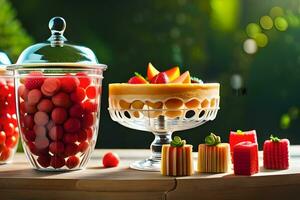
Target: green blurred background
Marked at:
251, 47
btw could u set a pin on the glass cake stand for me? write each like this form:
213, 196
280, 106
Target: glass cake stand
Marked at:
159, 122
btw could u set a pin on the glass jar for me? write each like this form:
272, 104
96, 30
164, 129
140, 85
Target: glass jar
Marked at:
58, 92
9, 134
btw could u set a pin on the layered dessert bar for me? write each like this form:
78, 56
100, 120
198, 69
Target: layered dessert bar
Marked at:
177, 159
276, 153
213, 156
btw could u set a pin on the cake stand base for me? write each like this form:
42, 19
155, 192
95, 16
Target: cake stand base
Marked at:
146, 165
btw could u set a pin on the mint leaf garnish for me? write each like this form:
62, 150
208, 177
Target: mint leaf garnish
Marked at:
274, 138
212, 139
196, 80
177, 142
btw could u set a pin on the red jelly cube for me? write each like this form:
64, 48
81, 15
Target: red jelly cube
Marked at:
276, 154
245, 158
241, 136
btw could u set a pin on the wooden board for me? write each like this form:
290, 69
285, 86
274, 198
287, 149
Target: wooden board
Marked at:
267, 184
19, 181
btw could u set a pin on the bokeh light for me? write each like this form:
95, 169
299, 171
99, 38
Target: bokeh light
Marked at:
266, 22
224, 14
281, 24
294, 112
175, 32
236, 81
250, 46
276, 12
252, 29
261, 39
292, 19
285, 121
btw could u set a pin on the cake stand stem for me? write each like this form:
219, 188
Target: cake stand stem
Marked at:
159, 140
153, 163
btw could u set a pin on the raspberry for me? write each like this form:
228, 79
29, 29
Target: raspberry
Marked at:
34, 80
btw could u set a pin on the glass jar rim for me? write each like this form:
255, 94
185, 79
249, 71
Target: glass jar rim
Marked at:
61, 65
4, 73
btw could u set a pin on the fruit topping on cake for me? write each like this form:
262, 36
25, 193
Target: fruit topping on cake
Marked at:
169, 76
173, 73
213, 156
137, 79
276, 153
151, 71
177, 158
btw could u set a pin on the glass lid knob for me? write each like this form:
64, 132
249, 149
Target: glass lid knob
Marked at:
57, 26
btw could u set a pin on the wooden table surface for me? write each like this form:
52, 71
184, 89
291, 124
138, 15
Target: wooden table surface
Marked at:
19, 181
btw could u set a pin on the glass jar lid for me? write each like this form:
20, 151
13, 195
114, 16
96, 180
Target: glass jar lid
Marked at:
4, 60
57, 51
